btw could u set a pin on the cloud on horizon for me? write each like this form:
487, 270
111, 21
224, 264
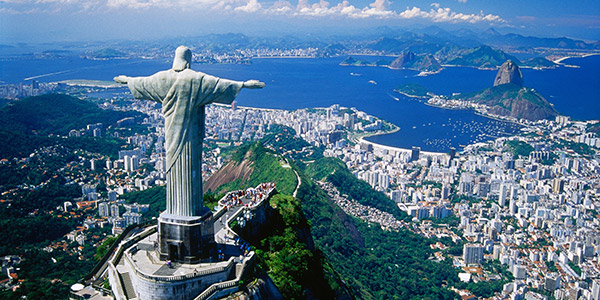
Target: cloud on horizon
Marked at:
379, 9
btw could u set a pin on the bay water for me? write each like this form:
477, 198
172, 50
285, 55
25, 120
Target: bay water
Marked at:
293, 83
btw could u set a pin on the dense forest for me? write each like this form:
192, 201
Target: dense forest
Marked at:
285, 251
55, 115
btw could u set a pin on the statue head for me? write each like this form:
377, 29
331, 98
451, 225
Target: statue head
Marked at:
183, 58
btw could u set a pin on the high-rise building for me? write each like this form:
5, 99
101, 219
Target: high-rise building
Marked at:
472, 253
132, 218
123, 153
514, 192
103, 209
74, 133
92, 196
445, 192
350, 120
126, 163
414, 153
383, 180
513, 207
596, 289
396, 196
552, 282
86, 189
135, 163
558, 186
519, 272
502, 196
112, 196
114, 210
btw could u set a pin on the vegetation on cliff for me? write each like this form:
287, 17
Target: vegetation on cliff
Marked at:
351, 61
508, 97
371, 263
285, 251
482, 57
512, 100
251, 165
376, 264
411, 61
413, 90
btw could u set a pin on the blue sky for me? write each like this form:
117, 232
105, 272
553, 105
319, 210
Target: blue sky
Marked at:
75, 20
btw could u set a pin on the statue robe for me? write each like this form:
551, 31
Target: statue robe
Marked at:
183, 96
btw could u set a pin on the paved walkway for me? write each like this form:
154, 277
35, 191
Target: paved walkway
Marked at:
233, 251
221, 233
228, 243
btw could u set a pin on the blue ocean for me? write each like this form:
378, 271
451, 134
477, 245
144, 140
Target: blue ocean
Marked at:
294, 83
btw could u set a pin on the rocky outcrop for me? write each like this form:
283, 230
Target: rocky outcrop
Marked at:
232, 171
404, 60
410, 60
509, 72
508, 97
519, 102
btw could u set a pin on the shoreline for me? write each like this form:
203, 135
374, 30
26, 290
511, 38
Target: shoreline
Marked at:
282, 56
485, 115
411, 96
90, 83
559, 61
393, 148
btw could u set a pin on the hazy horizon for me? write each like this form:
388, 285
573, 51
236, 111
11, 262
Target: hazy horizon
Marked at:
29, 21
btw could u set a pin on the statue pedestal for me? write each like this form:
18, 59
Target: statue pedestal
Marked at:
186, 239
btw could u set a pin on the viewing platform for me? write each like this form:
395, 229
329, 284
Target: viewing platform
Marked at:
135, 270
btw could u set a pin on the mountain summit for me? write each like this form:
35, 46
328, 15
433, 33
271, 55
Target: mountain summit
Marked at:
509, 72
409, 60
508, 97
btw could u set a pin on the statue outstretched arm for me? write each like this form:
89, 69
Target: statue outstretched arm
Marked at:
148, 88
253, 84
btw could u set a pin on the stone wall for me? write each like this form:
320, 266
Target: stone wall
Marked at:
176, 290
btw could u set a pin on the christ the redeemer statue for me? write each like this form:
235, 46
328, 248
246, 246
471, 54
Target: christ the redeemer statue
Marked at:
184, 94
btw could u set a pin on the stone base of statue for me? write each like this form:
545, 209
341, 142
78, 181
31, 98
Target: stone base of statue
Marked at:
186, 239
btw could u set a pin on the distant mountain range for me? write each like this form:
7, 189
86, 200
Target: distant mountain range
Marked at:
429, 47
481, 57
464, 47
487, 49
484, 57
434, 35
